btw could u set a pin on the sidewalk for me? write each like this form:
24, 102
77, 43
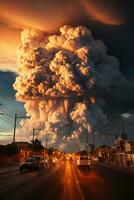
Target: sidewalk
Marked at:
117, 167
6, 170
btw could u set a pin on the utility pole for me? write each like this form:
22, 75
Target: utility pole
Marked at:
105, 137
33, 134
46, 141
15, 119
123, 127
35, 129
94, 141
106, 143
87, 141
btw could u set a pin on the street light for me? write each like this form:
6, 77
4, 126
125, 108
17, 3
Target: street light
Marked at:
124, 116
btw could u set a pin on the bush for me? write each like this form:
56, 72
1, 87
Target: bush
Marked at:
37, 146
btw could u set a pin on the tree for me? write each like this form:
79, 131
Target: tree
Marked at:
36, 145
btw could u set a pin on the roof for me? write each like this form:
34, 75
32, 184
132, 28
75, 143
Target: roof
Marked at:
22, 144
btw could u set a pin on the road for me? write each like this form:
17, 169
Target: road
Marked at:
66, 182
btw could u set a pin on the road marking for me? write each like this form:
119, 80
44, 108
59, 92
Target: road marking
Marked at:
81, 195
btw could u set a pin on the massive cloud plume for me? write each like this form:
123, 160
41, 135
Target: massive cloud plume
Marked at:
58, 75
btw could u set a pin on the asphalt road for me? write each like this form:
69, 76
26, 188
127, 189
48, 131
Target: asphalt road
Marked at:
66, 182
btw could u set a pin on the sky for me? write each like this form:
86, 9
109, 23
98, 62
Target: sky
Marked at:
110, 21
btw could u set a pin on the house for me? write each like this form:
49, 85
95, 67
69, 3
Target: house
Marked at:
129, 151
105, 151
24, 151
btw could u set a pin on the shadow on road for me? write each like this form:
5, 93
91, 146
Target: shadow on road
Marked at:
85, 170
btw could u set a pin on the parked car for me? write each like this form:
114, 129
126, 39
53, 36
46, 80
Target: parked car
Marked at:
84, 161
29, 164
40, 160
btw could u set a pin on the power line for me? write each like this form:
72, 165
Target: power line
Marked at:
6, 121
8, 118
10, 106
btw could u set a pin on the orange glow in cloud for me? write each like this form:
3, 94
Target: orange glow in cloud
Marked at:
47, 16
102, 15
9, 40
16, 15
44, 15
50, 15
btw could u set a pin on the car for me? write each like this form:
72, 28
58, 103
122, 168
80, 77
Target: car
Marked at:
29, 164
40, 160
50, 161
70, 159
84, 161
64, 158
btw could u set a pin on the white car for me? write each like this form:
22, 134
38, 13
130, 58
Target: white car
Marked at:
84, 161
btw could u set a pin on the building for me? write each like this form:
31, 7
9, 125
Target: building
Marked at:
3, 158
105, 152
124, 151
24, 151
18, 152
129, 151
